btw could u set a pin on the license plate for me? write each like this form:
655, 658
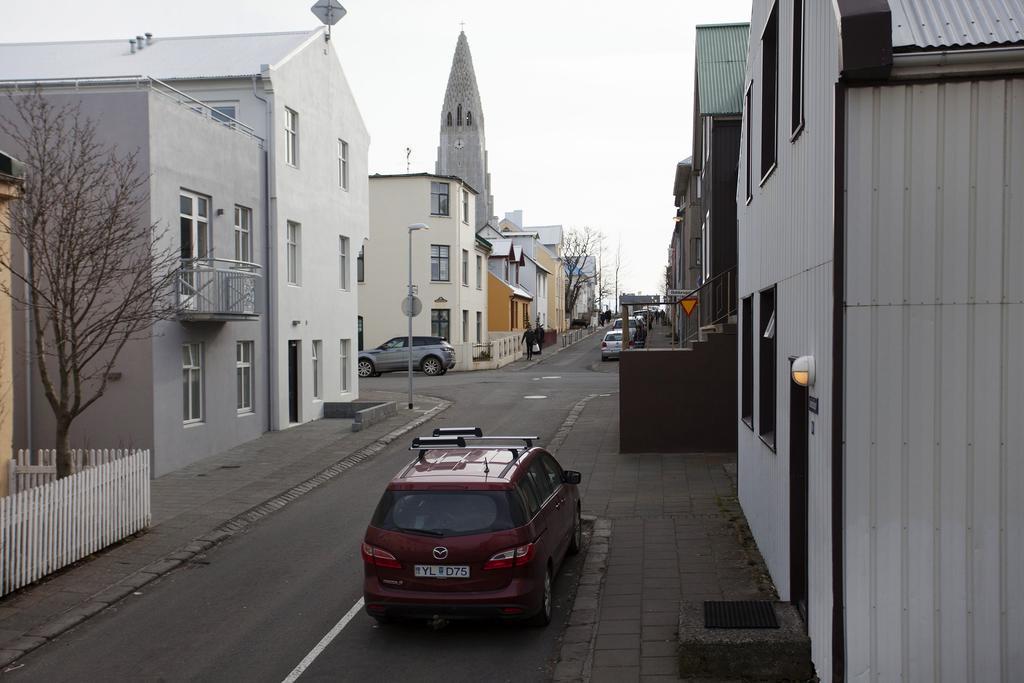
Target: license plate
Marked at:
441, 571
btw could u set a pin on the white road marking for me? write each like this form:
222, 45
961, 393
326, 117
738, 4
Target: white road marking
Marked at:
324, 642
554, 377
534, 396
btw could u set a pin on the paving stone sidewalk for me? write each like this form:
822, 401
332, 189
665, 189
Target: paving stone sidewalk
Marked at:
668, 529
194, 508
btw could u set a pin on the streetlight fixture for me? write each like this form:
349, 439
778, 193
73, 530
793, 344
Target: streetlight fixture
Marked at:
410, 311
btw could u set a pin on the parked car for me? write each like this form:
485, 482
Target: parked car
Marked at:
633, 324
611, 345
430, 355
473, 528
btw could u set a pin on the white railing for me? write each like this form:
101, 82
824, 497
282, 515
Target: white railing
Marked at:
27, 469
48, 527
501, 349
215, 289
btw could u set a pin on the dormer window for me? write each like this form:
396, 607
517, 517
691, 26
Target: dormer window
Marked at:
449, 119
469, 118
459, 117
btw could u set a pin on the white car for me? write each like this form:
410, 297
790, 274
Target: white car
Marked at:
611, 345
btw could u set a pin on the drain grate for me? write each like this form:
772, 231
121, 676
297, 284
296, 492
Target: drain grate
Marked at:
739, 614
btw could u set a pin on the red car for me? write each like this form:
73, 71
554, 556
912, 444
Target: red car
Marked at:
475, 527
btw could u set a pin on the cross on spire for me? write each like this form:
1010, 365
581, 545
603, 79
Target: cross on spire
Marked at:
462, 26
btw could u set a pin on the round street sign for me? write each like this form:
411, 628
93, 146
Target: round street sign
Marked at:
413, 304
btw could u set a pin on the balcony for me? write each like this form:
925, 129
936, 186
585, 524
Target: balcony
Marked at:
217, 290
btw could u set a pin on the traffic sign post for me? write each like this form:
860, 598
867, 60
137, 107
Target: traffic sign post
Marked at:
688, 304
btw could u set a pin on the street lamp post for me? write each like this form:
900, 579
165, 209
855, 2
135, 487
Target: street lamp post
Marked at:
409, 299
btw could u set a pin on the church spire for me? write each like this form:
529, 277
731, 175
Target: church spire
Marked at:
462, 151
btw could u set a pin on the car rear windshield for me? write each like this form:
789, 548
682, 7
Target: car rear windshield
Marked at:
448, 513
614, 337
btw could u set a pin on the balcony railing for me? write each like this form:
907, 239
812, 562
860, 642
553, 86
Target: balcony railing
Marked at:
716, 302
217, 289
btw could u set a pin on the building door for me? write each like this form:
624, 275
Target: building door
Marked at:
798, 497
293, 380
360, 333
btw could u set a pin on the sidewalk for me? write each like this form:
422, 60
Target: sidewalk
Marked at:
668, 530
549, 351
195, 508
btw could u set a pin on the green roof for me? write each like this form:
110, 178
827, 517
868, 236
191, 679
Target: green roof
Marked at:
721, 62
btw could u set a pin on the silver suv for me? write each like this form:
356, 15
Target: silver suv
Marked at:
430, 355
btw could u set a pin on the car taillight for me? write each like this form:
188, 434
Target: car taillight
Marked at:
380, 557
513, 557
604, 345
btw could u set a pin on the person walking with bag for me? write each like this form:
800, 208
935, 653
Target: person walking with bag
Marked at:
530, 339
540, 338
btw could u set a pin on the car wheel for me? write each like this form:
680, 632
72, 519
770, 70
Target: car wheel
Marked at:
576, 543
431, 366
365, 369
543, 617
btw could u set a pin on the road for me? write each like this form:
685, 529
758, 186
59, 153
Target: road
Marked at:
255, 606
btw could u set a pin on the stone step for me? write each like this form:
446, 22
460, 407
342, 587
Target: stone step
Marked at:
768, 654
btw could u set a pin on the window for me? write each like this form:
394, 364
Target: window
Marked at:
345, 359
343, 262
479, 326
360, 265
440, 323
747, 361
439, 263
449, 119
243, 234
224, 113
243, 375
192, 382
539, 478
194, 213
465, 268
797, 86
294, 255
439, 199
748, 124
769, 91
318, 369
458, 117
479, 271
291, 137
766, 361
465, 326
469, 118
465, 206
342, 164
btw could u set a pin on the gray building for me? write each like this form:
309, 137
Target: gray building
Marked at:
266, 213
462, 151
880, 203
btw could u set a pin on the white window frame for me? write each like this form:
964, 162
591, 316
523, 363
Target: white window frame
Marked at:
479, 326
291, 137
293, 253
244, 377
192, 371
344, 356
465, 326
243, 234
343, 269
479, 270
342, 164
465, 205
318, 369
465, 268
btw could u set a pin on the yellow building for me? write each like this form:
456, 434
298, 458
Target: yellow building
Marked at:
556, 288
11, 176
508, 306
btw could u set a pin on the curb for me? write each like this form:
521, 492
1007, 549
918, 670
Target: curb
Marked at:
39, 635
575, 660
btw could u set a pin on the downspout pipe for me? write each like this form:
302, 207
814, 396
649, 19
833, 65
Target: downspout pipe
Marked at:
269, 255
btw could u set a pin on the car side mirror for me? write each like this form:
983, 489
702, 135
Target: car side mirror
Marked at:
571, 477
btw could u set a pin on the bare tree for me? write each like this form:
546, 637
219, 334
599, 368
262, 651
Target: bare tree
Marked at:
578, 249
95, 278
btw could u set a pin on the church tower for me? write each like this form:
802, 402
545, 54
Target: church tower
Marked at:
462, 152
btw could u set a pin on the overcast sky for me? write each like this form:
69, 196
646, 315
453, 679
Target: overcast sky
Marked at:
587, 105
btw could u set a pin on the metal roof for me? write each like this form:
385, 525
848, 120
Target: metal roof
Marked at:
721, 61
919, 24
165, 58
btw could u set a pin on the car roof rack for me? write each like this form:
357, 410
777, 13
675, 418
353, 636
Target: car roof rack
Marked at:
470, 438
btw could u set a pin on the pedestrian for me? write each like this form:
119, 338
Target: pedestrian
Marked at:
529, 338
539, 335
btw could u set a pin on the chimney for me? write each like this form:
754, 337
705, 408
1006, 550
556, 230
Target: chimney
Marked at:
149, 38
131, 41
140, 42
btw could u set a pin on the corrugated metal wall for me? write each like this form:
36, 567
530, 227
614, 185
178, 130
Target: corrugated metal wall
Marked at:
785, 238
935, 382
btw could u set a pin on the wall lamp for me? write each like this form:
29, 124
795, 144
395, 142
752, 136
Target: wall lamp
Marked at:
803, 371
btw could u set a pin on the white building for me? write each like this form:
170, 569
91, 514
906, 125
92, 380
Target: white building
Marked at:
881, 199
256, 149
449, 262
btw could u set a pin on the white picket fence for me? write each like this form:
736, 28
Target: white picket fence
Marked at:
28, 469
52, 525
